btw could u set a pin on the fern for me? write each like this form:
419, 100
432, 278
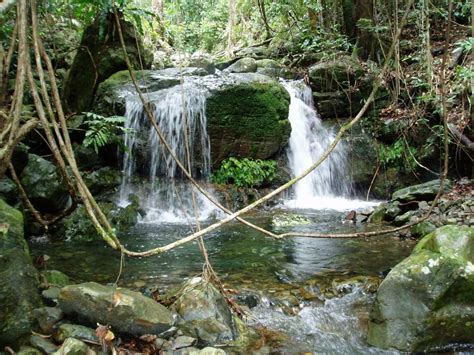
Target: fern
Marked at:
103, 130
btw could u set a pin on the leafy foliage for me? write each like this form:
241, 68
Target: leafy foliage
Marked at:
245, 172
103, 130
398, 155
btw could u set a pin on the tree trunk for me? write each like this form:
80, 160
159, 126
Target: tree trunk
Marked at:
230, 27
263, 13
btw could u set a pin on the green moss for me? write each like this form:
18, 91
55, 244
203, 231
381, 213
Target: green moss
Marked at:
257, 110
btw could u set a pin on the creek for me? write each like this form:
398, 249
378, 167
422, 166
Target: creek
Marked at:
302, 287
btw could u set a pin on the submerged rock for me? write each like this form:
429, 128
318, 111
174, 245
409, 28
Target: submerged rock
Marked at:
427, 301
48, 317
124, 310
289, 220
206, 315
19, 280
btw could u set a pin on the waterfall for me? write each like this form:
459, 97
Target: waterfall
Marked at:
180, 112
330, 184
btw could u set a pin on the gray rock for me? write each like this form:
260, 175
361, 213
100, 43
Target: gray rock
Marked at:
183, 341
51, 294
427, 301
132, 312
75, 331
48, 317
73, 346
244, 65
203, 61
19, 280
205, 314
289, 220
426, 191
211, 351
421, 229
44, 344
8, 190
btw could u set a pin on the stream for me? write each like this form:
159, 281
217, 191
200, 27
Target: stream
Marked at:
275, 274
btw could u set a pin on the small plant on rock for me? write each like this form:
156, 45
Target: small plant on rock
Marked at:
246, 172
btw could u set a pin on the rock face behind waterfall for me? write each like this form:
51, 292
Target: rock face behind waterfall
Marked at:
247, 113
18, 279
248, 120
427, 301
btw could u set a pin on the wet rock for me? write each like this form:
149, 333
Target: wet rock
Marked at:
44, 344
73, 346
28, 350
421, 229
105, 179
206, 315
48, 317
378, 215
132, 312
211, 351
43, 185
19, 280
8, 190
51, 295
289, 220
75, 331
270, 68
55, 278
426, 191
244, 65
427, 301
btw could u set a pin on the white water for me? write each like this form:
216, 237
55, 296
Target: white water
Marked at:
180, 114
329, 186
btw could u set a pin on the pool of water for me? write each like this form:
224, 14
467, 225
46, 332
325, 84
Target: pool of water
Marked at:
248, 260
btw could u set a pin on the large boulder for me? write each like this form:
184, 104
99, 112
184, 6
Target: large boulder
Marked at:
205, 314
19, 281
43, 185
125, 311
421, 192
248, 119
244, 65
100, 55
427, 301
340, 86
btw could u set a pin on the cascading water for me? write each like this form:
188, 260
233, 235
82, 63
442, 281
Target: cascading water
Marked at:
329, 185
180, 113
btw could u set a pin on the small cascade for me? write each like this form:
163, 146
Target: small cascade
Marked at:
330, 183
180, 113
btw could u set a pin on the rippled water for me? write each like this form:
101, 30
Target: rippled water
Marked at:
249, 261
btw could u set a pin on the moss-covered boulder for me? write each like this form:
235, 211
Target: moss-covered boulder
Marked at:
125, 311
248, 119
99, 56
427, 301
19, 281
43, 185
78, 226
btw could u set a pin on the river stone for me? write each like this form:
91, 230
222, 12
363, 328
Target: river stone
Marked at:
421, 229
43, 185
244, 65
427, 300
73, 346
124, 310
48, 317
28, 350
289, 220
8, 190
105, 179
44, 344
426, 191
74, 331
248, 118
205, 313
203, 61
211, 351
19, 280
270, 68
